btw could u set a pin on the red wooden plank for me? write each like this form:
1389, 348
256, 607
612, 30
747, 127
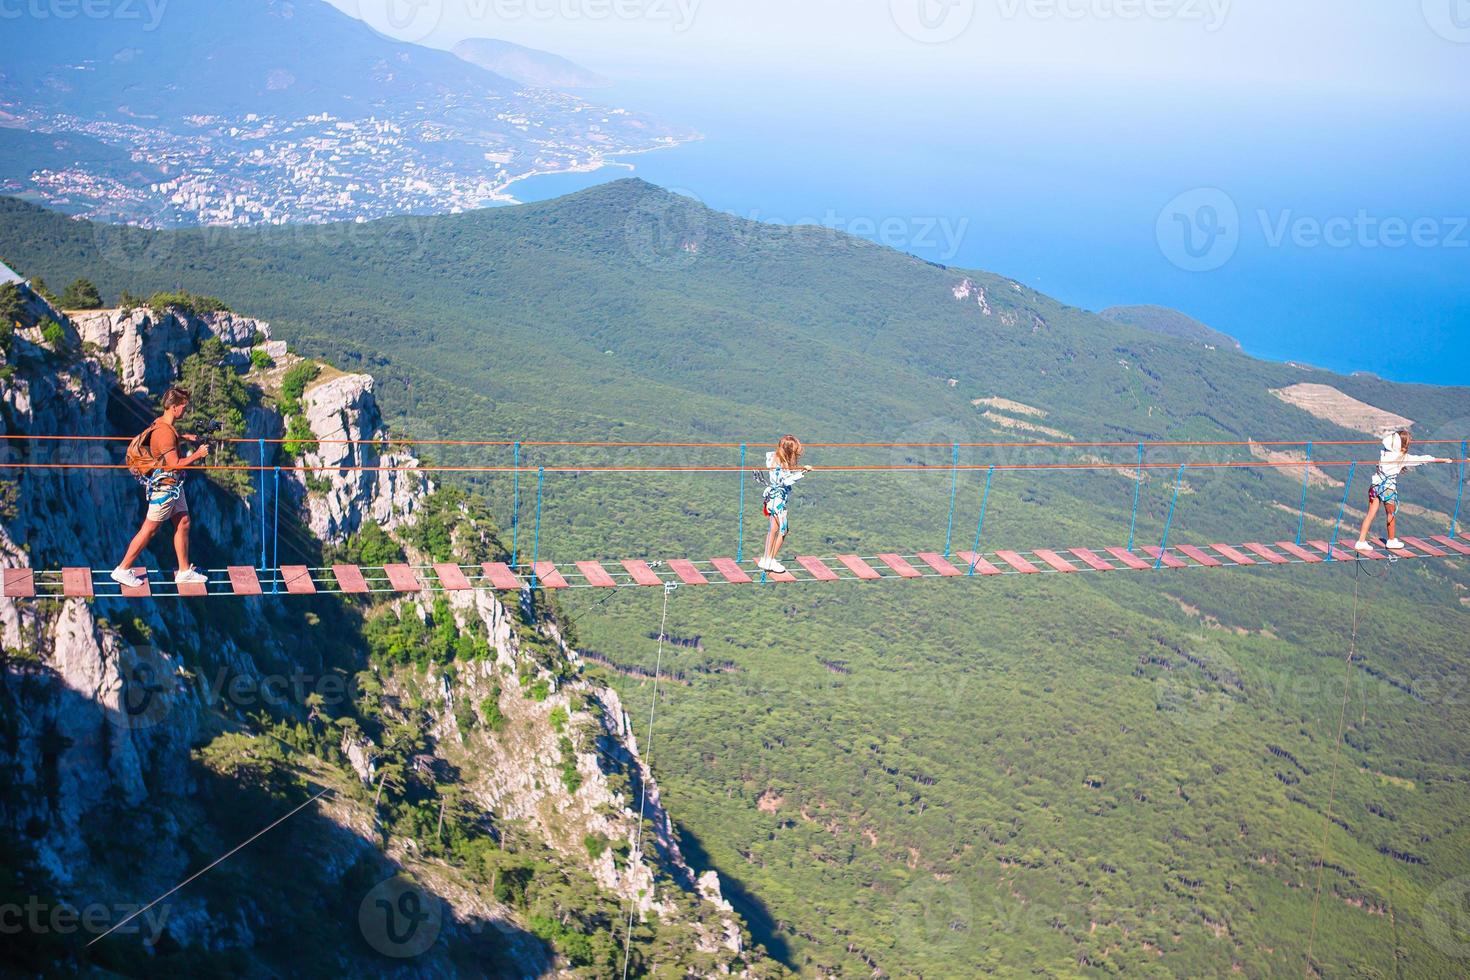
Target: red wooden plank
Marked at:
402, 578
1017, 562
192, 589
1453, 544
1128, 558
730, 569
1205, 559
243, 580
1055, 560
641, 573
1092, 560
20, 583
595, 574
1169, 560
977, 564
1240, 558
1425, 547
778, 577
349, 578
688, 574
140, 591
940, 564
903, 568
1266, 553
76, 582
547, 576
500, 575
297, 579
817, 568
1291, 548
452, 577
1338, 553
858, 567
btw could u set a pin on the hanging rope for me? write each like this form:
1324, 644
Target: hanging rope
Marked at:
1164, 544
1460, 492
740, 535
536, 540
276, 532
980, 526
1332, 545
637, 854
515, 512
1336, 754
1137, 486
262, 505
1301, 520
954, 483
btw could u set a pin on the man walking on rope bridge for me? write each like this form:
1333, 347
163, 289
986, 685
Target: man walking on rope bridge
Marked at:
1392, 460
155, 459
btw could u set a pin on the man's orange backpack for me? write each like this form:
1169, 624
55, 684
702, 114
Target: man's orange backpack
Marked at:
140, 459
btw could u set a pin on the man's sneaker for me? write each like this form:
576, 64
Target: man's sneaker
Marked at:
776, 566
189, 576
1394, 544
1363, 546
126, 578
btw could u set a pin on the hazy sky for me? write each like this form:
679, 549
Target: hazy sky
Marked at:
1419, 48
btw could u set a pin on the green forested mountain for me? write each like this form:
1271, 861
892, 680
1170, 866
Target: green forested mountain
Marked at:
1074, 775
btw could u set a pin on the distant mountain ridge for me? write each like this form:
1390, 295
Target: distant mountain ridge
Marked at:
1170, 323
527, 65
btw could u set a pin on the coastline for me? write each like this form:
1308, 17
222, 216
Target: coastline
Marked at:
499, 195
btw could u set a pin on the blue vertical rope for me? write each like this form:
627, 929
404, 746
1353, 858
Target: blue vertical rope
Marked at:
536, 541
276, 531
984, 502
1137, 486
1332, 545
262, 504
515, 507
1460, 493
1301, 520
954, 484
740, 535
1164, 544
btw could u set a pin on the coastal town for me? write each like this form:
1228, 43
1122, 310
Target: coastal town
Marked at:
258, 169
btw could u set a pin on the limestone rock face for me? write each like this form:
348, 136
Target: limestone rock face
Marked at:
342, 412
147, 347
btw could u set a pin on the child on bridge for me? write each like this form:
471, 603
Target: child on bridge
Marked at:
1392, 460
783, 470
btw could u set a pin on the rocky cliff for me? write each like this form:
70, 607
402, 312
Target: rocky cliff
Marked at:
140, 739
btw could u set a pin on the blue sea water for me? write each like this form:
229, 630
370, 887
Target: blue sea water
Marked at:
1325, 231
